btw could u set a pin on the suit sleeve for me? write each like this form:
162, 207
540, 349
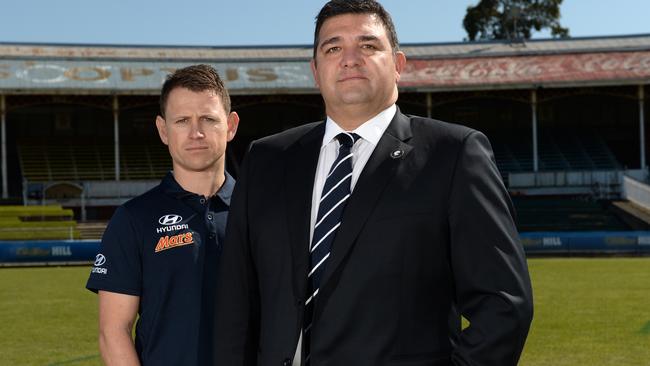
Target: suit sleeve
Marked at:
237, 309
489, 266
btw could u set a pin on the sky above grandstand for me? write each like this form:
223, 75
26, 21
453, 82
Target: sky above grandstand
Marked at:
268, 22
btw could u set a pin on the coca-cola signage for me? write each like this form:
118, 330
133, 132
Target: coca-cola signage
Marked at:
549, 69
295, 76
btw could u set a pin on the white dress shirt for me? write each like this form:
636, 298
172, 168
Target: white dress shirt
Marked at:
370, 133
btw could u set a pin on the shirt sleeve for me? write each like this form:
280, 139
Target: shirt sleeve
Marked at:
118, 265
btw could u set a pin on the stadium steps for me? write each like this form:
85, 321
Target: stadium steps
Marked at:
42, 161
551, 157
557, 152
144, 162
37, 223
36, 212
92, 230
512, 155
559, 214
601, 155
637, 217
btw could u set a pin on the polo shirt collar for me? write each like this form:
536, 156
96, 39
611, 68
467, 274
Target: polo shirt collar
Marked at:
225, 192
371, 130
171, 187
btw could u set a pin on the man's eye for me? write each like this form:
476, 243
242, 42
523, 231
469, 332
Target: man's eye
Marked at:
332, 49
368, 47
181, 121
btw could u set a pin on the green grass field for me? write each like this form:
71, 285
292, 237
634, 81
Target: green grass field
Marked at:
588, 311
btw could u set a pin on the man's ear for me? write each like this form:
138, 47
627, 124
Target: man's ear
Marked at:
233, 123
162, 129
312, 64
400, 63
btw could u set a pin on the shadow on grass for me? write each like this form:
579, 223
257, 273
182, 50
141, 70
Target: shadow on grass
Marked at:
74, 360
646, 328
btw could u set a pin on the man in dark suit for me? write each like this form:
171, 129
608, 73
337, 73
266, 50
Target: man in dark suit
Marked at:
362, 240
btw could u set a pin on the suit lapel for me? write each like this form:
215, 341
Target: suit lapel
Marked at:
302, 159
378, 171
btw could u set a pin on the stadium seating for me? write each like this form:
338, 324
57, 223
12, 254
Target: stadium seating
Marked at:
556, 152
576, 151
92, 230
512, 154
36, 223
46, 162
144, 162
565, 214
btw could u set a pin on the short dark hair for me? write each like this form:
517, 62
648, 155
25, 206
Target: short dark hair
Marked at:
341, 7
196, 78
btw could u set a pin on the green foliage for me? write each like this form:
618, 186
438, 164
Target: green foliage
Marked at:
513, 19
588, 311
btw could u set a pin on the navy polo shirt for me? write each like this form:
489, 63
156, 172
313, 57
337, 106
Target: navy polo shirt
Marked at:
164, 246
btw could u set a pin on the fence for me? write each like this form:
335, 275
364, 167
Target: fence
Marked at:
600, 183
636, 192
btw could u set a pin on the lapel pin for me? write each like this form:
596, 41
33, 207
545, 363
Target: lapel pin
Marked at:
396, 154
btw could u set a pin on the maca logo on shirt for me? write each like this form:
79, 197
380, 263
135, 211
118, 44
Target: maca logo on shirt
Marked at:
168, 242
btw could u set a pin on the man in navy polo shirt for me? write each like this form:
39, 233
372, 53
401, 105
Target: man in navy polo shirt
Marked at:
159, 253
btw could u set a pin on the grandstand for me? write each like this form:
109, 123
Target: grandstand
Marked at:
562, 214
566, 118
41, 161
37, 223
580, 150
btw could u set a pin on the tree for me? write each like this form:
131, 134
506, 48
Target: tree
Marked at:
513, 19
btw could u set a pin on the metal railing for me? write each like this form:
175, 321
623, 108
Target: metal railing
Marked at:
636, 192
602, 183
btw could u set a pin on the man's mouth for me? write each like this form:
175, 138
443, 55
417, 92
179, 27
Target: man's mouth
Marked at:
352, 77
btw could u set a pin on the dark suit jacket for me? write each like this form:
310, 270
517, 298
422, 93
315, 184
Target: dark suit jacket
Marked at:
425, 238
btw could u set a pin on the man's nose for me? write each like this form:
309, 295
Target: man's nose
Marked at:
351, 57
196, 131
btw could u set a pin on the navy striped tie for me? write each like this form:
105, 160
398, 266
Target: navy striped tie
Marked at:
336, 192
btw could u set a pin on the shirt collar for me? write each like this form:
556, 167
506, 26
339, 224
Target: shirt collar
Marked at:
225, 192
171, 187
370, 130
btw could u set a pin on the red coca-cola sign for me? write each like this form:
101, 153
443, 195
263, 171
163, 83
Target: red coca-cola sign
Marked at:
549, 69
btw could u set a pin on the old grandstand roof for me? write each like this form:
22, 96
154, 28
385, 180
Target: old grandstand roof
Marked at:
285, 69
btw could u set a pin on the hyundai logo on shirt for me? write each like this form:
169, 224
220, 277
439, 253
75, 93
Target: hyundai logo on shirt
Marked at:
172, 223
100, 260
170, 219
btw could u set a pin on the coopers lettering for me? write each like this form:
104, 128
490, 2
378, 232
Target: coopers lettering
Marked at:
168, 242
